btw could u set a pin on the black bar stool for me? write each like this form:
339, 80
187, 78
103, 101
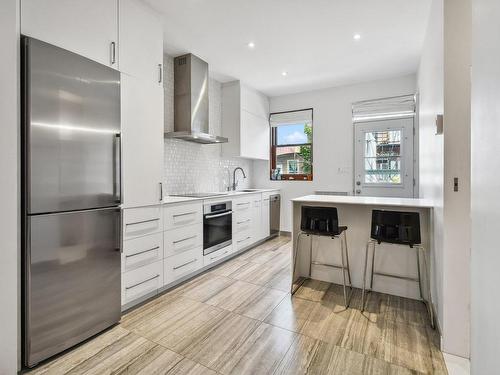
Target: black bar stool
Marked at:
401, 228
323, 221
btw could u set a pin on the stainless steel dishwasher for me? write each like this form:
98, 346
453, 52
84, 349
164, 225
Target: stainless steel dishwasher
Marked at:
274, 214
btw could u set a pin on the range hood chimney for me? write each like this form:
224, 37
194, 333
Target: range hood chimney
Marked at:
191, 101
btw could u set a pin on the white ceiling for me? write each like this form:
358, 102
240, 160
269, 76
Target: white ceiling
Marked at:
310, 39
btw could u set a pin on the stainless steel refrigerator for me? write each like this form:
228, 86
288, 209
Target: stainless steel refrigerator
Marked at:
71, 197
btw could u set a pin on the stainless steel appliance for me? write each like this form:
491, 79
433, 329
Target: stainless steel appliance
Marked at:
217, 226
71, 197
191, 101
274, 213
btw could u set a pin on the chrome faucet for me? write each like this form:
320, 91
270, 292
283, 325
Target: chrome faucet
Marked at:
235, 183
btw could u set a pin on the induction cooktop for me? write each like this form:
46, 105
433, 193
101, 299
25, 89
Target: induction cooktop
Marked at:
199, 195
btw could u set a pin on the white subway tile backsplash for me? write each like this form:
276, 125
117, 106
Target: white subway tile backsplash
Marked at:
192, 167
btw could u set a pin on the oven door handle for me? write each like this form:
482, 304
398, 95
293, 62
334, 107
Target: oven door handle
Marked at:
218, 215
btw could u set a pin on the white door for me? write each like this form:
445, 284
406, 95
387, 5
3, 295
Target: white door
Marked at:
383, 160
88, 28
142, 141
141, 42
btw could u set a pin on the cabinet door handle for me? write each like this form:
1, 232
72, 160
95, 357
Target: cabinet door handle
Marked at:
244, 221
142, 282
242, 204
218, 256
142, 252
113, 53
161, 191
185, 264
142, 222
244, 239
160, 73
184, 239
185, 214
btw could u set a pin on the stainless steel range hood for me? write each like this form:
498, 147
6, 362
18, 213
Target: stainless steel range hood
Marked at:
191, 101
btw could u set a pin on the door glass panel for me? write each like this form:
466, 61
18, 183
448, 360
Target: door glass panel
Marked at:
382, 157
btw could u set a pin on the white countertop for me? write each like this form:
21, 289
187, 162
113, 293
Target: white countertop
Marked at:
367, 201
175, 199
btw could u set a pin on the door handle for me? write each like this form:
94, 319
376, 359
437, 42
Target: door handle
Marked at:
161, 191
113, 53
117, 186
160, 73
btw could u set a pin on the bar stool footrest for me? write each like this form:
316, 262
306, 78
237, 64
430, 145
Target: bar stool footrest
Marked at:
396, 276
329, 265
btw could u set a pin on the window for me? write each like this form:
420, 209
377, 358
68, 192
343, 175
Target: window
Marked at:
291, 145
383, 157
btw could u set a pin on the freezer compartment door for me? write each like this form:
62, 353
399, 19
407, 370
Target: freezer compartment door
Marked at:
72, 279
71, 117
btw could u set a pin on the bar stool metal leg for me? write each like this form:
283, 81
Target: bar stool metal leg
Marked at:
347, 259
418, 273
364, 277
373, 265
427, 303
310, 255
343, 272
296, 251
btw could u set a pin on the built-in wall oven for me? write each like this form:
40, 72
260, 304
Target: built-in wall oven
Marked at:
217, 226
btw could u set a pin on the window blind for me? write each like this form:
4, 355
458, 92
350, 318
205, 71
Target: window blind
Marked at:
292, 117
377, 109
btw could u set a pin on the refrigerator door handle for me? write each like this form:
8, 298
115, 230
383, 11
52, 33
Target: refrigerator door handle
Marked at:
117, 169
120, 236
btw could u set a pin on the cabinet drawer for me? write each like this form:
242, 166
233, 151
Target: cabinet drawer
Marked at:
243, 223
182, 239
177, 266
242, 204
244, 239
141, 281
218, 255
141, 221
181, 215
141, 251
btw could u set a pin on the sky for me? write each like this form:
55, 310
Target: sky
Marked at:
291, 134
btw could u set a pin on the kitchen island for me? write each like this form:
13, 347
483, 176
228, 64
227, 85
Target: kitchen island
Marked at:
355, 213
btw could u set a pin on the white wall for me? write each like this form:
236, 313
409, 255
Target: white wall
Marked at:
485, 138
9, 189
430, 89
332, 137
456, 235
444, 87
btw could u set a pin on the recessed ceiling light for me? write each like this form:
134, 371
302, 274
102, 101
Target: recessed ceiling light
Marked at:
284, 73
251, 45
357, 36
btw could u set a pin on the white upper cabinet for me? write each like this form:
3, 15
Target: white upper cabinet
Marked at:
88, 28
142, 141
141, 42
245, 122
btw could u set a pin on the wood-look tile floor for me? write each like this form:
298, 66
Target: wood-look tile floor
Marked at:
239, 318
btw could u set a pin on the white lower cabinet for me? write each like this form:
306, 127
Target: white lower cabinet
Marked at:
140, 251
141, 281
265, 217
256, 218
165, 244
217, 255
180, 215
182, 239
141, 221
180, 265
244, 239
